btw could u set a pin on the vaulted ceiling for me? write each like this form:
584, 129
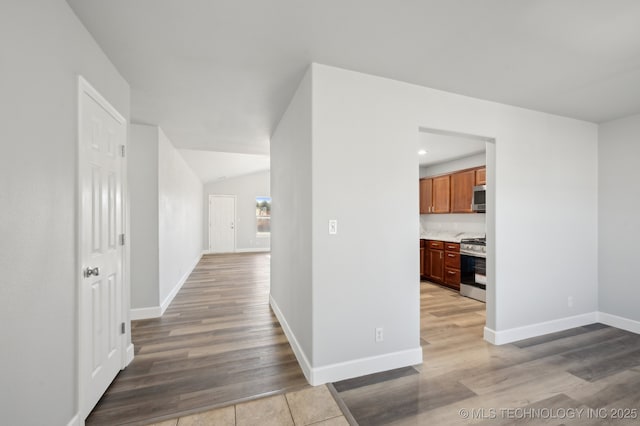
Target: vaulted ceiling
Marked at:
218, 74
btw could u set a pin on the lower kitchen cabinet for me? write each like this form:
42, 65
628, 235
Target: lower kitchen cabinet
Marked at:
440, 262
423, 244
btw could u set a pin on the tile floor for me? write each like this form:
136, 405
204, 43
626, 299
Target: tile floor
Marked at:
310, 406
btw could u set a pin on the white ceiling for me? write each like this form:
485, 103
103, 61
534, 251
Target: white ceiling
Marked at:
446, 147
218, 74
211, 166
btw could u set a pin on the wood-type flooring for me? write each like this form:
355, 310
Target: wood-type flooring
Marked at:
584, 376
217, 344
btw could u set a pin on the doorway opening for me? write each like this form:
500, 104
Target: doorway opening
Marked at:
457, 215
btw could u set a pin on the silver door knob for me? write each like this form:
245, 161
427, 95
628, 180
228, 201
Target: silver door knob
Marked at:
91, 272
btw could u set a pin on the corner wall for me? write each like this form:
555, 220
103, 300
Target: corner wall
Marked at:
619, 228
180, 219
166, 215
44, 49
143, 189
291, 224
246, 189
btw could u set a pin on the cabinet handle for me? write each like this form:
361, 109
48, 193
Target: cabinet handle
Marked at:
451, 272
440, 255
451, 255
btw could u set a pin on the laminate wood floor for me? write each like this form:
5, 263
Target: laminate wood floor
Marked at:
583, 376
217, 344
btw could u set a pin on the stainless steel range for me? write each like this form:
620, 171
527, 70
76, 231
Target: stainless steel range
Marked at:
473, 268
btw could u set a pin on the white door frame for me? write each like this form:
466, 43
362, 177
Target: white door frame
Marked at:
126, 355
235, 217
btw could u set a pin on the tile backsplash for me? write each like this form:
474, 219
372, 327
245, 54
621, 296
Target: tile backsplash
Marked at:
473, 223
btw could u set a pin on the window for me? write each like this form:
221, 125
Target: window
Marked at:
263, 216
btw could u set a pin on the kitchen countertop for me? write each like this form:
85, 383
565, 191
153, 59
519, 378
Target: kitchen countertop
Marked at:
449, 236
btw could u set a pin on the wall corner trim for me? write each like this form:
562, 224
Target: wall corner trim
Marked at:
345, 370
145, 313
129, 355
368, 365
534, 330
158, 311
75, 420
167, 301
303, 361
619, 322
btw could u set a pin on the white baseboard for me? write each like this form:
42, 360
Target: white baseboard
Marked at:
345, 370
619, 322
145, 313
305, 365
534, 330
158, 311
167, 300
242, 250
364, 366
129, 354
75, 421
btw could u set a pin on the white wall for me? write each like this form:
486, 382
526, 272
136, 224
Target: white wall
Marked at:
180, 219
365, 174
246, 189
291, 226
619, 227
166, 219
44, 49
143, 191
456, 222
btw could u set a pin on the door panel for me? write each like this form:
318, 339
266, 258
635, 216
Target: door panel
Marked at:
101, 171
222, 216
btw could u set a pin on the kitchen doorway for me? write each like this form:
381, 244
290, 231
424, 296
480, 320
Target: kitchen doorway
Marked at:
456, 190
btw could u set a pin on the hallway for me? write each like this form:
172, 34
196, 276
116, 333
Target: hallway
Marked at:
217, 344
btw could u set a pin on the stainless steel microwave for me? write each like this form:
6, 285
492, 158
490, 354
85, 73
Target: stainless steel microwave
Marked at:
479, 198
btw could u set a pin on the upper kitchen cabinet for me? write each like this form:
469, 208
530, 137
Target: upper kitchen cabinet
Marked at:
426, 195
441, 196
481, 176
462, 191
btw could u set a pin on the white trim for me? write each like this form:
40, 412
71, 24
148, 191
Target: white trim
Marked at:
129, 354
304, 363
158, 311
619, 322
345, 370
146, 313
167, 300
539, 329
363, 366
75, 421
242, 250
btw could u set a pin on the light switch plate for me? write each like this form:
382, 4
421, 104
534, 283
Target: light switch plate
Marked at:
333, 227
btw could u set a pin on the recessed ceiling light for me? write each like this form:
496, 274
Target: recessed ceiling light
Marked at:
422, 152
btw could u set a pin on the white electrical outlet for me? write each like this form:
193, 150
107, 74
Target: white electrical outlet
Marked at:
333, 227
570, 301
379, 334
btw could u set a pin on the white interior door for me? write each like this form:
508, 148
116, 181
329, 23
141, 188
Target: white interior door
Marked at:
102, 136
222, 223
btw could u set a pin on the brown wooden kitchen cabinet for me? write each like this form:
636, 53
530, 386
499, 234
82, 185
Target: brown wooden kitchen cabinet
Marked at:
436, 261
481, 176
426, 193
452, 265
441, 262
423, 244
462, 191
441, 195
